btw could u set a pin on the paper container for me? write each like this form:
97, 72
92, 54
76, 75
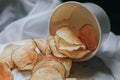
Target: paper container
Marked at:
76, 15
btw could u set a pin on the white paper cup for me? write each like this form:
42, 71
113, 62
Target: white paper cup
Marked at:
76, 15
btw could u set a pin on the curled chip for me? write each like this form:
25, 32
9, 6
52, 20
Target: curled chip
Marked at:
67, 62
68, 36
54, 50
41, 44
69, 44
76, 54
63, 45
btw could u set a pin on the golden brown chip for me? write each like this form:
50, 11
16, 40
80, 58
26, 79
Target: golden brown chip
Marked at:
76, 54
47, 73
70, 50
60, 67
42, 58
41, 44
5, 72
66, 34
63, 45
48, 50
25, 57
67, 62
54, 49
47, 58
88, 35
5, 57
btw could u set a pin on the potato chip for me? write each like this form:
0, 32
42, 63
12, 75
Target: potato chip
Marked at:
66, 34
88, 34
5, 57
76, 54
67, 62
5, 72
47, 73
25, 57
41, 44
63, 45
52, 63
54, 49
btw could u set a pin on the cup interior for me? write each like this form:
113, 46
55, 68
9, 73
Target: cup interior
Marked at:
74, 15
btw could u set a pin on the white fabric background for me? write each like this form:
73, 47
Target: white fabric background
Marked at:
25, 19
22, 19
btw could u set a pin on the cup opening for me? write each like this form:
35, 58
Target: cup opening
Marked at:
74, 15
